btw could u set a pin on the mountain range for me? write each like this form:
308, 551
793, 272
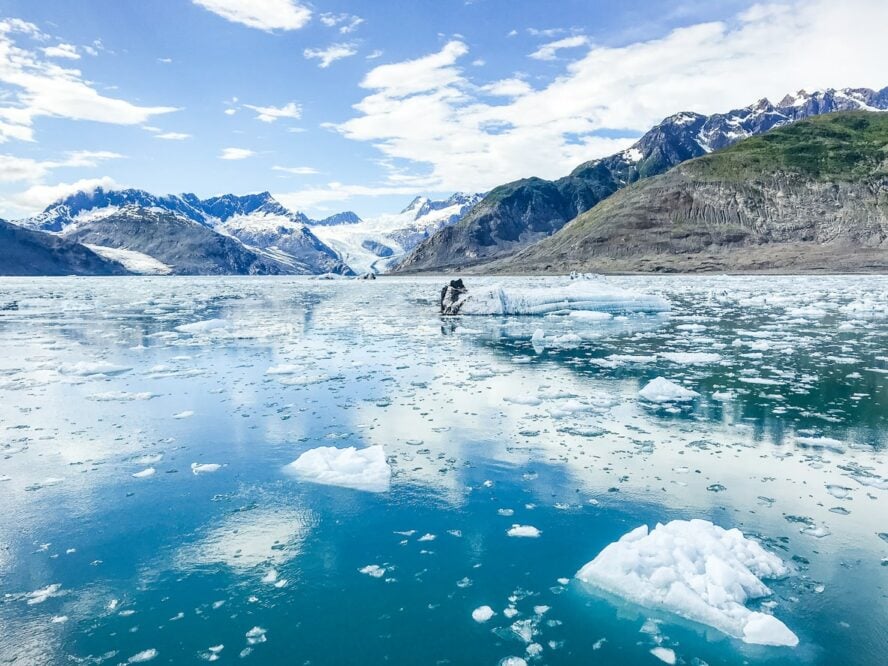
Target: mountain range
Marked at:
529, 225
807, 197
518, 214
135, 231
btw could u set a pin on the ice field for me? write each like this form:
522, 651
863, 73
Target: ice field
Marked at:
305, 471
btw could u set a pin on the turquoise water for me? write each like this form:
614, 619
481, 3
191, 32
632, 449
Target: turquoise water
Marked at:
483, 428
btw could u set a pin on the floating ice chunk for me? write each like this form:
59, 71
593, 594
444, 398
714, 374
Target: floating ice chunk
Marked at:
203, 326
427, 537
691, 358
663, 390
92, 368
46, 483
361, 469
372, 570
143, 656
696, 570
285, 369
483, 614
513, 661
528, 400
824, 443
527, 531
580, 295
44, 593
205, 468
664, 654
256, 635
121, 396
145, 473
187, 414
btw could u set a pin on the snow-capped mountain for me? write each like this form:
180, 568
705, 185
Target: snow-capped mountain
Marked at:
373, 245
257, 221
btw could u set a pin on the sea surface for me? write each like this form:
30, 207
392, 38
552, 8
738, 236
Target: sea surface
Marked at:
484, 425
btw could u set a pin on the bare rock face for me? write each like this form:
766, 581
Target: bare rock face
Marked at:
453, 296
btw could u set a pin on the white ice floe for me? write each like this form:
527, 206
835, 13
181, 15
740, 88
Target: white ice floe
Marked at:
145, 473
527, 531
513, 661
482, 614
663, 390
205, 468
665, 655
44, 593
372, 570
698, 571
203, 326
92, 369
691, 358
361, 469
579, 295
143, 656
187, 414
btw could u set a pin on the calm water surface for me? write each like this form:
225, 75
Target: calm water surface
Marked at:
483, 428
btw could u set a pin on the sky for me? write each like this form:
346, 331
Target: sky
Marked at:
361, 105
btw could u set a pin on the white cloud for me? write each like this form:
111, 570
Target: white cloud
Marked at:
330, 54
61, 51
345, 23
268, 114
17, 169
265, 15
38, 197
311, 197
296, 171
230, 112
550, 51
173, 136
38, 87
236, 153
467, 142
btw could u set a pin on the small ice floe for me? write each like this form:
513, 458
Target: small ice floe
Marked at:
145, 473
513, 661
92, 369
578, 295
427, 537
256, 635
199, 327
526, 531
662, 390
46, 483
205, 468
821, 443
372, 570
482, 614
187, 414
691, 358
698, 571
44, 593
121, 396
212, 653
143, 656
665, 655
361, 469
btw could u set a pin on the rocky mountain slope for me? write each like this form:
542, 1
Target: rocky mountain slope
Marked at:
185, 246
257, 220
28, 252
516, 215
811, 196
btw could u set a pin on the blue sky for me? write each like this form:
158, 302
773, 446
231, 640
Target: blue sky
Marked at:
335, 105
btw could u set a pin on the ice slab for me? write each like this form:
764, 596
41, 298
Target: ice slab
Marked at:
579, 295
698, 571
663, 390
361, 469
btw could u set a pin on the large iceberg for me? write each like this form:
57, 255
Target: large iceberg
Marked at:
586, 295
361, 469
697, 570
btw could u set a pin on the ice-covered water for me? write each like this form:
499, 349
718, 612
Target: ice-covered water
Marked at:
149, 516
